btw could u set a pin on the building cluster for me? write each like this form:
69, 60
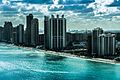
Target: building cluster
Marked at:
103, 43
93, 43
17, 35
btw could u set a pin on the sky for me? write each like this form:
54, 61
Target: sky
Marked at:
80, 14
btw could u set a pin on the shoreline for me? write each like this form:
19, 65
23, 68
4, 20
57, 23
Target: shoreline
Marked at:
100, 60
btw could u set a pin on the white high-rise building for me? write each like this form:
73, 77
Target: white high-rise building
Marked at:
107, 44
95, 33
55, 32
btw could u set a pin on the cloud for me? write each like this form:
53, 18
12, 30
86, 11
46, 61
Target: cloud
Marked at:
6, 2
100, 7
55, 2
77, 12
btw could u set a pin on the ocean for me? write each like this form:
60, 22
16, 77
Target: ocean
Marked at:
22, 63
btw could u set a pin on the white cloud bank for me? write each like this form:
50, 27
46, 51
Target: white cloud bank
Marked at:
100, 7
75, 20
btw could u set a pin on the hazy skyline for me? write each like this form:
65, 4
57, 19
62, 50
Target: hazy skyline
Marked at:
80, 14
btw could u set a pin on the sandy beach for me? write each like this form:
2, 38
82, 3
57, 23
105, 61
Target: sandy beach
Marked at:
108, 61
82, 57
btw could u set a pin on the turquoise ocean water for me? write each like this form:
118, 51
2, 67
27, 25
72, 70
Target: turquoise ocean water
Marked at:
18, 63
